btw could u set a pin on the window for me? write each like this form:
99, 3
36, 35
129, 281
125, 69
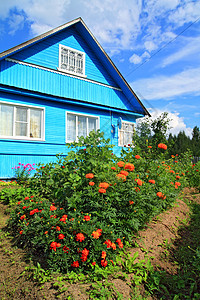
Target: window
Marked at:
79, 125
71, 61
22, 122
126, 133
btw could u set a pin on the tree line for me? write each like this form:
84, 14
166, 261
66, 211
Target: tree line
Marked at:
151, 132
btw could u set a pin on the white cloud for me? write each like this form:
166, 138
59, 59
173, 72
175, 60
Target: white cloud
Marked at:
167, 87
150, 46
16, 23
188, 12
135, 59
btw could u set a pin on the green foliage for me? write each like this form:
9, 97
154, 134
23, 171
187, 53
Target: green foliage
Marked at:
81, 210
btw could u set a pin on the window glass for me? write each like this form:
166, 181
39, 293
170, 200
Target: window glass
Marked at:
79, 125
71, 127
126, 134
19, 121
35, 123
82, 127
91, 124
6, 120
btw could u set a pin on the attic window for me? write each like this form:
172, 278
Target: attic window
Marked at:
71, 61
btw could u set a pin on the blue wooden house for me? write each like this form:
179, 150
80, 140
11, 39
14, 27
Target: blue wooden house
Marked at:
56, 87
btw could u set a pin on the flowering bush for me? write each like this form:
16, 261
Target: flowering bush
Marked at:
23, 172
79, 211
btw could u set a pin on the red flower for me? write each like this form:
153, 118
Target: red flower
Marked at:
46, 232
137, 156
120, 164
103, 254
22, 217
63, 167
89, 175
32, 212
86, 218
85, 253
91, 183
104, 185
161, 195
162, 146
139, 182
131, 202
26, 198
125, 173
113, 168
57, 228
122, 176
61, 236
104, 263
54, 245
129, 167
102, 191
63, 219
94, 263
80, 237
118, 241
120, 245
52, 207
65, 249
150, 147
113, 246
75, 264
152, 181
21, 231
108, 243
96, 234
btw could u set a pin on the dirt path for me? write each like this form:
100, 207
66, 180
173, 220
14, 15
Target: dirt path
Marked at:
155, 241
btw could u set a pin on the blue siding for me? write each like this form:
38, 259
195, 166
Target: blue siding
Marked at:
45, 81
46, 54
26, 151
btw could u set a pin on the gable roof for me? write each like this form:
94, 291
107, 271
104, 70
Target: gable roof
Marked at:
85, 31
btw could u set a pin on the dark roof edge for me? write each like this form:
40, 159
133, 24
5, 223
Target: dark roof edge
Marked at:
59, 28
38, 38
116, 69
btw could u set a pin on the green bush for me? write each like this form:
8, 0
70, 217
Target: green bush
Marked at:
82, 209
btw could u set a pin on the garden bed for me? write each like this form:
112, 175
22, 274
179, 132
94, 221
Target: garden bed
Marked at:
161, 240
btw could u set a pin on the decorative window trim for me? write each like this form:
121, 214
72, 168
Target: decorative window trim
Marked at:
81, 115
122, 131
68, 58
28, 107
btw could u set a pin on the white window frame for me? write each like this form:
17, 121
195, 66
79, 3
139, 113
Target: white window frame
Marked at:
81, 115
76, 52
28, 107
123, 131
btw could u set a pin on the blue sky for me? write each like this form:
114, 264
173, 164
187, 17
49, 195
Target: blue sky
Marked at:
154, 43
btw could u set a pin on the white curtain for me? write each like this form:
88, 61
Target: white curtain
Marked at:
91, 124
6, 120
21, 122
35, 123
82, 126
